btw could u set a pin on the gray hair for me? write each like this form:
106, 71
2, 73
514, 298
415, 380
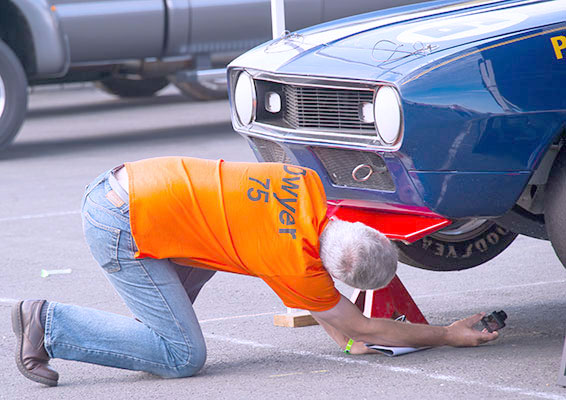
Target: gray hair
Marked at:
357, 255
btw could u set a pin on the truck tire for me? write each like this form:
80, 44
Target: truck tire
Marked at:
131, 88
554, 206
13, 95
460, 246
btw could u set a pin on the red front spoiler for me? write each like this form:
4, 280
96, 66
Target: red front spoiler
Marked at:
397, 226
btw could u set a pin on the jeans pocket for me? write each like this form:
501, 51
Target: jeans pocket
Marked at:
103, 242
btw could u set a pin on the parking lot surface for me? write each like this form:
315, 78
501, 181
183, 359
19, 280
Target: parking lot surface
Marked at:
72, 135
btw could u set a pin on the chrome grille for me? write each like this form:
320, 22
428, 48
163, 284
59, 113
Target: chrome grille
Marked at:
341, 164
271, 151
326, 109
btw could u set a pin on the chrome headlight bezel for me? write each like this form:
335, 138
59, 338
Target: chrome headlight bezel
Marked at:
388, 114
244, 106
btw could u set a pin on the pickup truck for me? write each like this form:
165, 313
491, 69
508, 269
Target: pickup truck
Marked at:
134, 48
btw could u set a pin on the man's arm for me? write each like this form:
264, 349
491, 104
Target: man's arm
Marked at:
346, 321
342, 340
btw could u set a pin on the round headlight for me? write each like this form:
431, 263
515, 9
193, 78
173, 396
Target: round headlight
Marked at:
244, 98
387, 114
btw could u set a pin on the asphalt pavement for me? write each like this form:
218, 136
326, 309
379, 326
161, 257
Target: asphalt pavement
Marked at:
71, 136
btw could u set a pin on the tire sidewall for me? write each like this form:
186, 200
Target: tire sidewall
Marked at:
453, 255
554, 207
15, 86
130, 88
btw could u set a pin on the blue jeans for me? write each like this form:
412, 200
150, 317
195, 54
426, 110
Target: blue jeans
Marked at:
167, 339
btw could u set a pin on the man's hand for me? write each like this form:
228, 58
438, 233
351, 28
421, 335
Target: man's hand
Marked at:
461, 333
345, 321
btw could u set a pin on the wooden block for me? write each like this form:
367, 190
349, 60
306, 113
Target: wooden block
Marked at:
294, 320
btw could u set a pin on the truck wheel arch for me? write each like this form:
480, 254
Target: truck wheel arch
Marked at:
33, 22
15, 31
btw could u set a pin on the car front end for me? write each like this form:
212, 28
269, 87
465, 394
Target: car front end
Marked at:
406, 110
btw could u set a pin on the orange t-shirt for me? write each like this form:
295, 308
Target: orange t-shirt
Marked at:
259, 219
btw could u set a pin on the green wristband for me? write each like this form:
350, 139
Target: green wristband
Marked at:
349, 346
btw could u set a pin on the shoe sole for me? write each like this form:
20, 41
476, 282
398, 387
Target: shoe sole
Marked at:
18, 328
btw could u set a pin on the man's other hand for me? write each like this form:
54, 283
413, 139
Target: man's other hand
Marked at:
461, 333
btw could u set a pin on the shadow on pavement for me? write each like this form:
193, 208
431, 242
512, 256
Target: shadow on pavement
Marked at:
104, 105
45, 148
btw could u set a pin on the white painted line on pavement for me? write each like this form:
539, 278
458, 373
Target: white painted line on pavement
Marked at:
237, 317
44, 215
13, 301
238, 341
403, 370
493, 289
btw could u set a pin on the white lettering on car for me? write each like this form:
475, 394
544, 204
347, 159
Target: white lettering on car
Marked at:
444, 29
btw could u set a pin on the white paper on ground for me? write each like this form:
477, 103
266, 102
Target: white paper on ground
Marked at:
394, 351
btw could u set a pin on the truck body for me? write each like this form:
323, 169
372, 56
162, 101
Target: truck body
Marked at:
134, 48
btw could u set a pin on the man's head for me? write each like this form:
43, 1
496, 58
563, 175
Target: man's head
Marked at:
357, 255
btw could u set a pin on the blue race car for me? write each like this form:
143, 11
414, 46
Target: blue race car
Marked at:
445, 109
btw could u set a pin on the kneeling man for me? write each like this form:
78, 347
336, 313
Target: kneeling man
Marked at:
160, 228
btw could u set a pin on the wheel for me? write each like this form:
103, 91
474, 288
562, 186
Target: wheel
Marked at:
13, 95
129, 88
461, 245
554, 206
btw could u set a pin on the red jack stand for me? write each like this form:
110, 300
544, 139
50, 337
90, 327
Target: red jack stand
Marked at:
392, 301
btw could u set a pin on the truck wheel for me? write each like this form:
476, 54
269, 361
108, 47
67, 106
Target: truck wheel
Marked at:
129, 88
554, 207
13, 95
199, 91
460, 246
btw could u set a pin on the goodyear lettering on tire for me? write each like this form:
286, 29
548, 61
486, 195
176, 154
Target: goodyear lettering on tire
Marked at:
480, 244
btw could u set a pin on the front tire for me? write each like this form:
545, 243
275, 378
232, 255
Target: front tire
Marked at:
460, 246
13, 95
555, 206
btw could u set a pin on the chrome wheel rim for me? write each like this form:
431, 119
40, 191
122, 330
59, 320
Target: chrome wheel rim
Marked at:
464, 230
2, 97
